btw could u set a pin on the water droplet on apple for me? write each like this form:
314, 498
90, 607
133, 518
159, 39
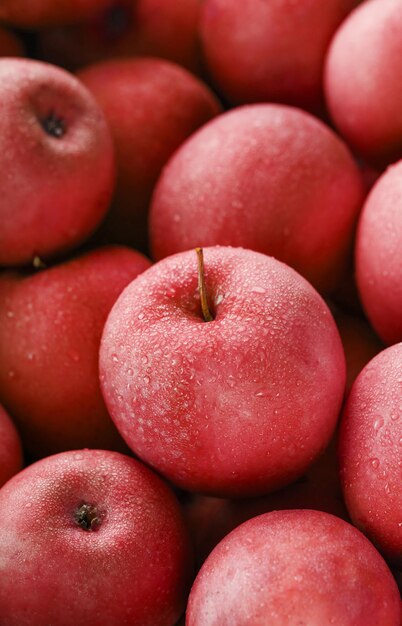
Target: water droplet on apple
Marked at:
379, 423
115, 358
10, 314
144, 360
231, 381
258, 290
375, 463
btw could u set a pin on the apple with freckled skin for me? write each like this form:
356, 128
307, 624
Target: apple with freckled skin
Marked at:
50, 328
151, 106
294, 567
57, 151
370, 452
10, 45
91, 537
235, 406
379, 255
267, 177
10, 448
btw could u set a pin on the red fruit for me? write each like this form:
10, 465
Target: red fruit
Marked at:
10, 448
127, 28
362, 80
236, 406
265, 177
274, 51
56, 164
152, 106
371, 452
294, 567
379, 255
10, 45
40, 13
91, 537
50, 328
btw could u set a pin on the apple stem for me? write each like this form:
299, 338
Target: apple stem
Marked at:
206, 313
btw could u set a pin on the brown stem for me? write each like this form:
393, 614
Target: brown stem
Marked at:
206, 313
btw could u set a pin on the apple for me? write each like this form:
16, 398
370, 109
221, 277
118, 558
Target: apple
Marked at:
56, 166
10, 448
294, 567
379, 255
39, 13
273, 51
370, 454
127, 28
10, 45
51, 323
91, 537
235, 406
267, 177
152, 106
362, 80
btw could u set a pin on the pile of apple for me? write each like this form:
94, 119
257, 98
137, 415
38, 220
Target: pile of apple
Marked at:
215, 436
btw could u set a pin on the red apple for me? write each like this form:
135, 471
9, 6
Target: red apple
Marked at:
50, 329
56, 163
236, 406
362, 80
273, 51
379, 255
266, 177
10, 45
39, 13
10, 448
91, 537
152, 106
294, 567
127, 28
371, 452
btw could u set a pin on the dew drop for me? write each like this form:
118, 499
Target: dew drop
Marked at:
258, 290
144, 360
141, 316
115, 358
231, 381
375, 463
146, 380
379, 423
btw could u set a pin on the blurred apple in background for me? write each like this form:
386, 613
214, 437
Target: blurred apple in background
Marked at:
39, 13
10, 44
10, 448
50, 328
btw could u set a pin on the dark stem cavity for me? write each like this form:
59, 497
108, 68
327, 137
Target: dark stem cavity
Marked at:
54, 125
116, 22
206, 313
87, 517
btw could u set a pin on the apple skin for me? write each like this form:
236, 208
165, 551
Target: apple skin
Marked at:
229, 407
35, 14
132, 568
294, 567
10, 448
74, 172
273, 51
362, 80
379, 255
50, 328
370, 453
267, 177
10, 45
158, 28
152, 106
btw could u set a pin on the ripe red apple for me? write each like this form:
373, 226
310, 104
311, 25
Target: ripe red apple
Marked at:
39, 13
362, 80
56, 163
270, 51
379, 255
371, 452
127, 28
10, 45
294, 567
266, 177
152, 106
50, 328
10, 448
91, 537
236, 406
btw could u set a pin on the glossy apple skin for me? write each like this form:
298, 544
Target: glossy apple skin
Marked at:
379, 255
152, 106
370, 453
36, 14
362, 80
273, 51
38, 172
132, 568
294, 567
50, 328
233, 407
159, 28
10, 45
10, 448
266, 177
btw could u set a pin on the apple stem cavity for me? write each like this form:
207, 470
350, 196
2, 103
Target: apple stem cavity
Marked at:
54, 126
87, 517
206, 313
